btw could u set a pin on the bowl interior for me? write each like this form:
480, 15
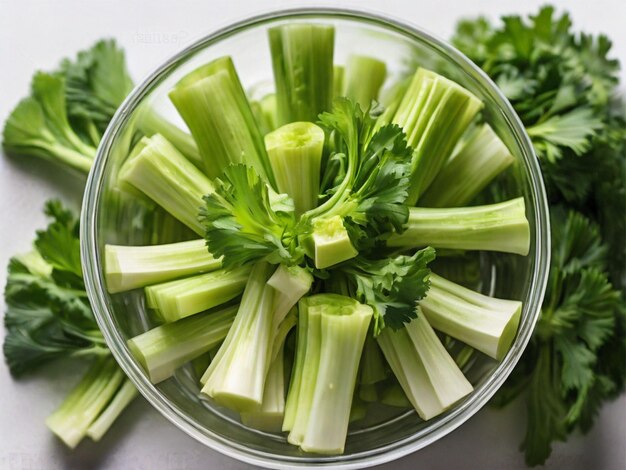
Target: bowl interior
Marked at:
111, 217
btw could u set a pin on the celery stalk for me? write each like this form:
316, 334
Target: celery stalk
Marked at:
84, 404
327, 360
124, 396
178, 299
331, 242
165, 348
213, 103
236, 377
295, 152
364, 77
129, 267
164, 175
427, 373
496, 227
433, 113
302, 60
150, 122
481, 158
485, 323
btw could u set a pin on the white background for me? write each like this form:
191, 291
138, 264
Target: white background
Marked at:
36, 35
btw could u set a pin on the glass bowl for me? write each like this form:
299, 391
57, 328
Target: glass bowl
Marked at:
109, 218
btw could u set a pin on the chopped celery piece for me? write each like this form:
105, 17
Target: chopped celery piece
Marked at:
178, 299
265, 113
284, 327
479, 160
150, 122
164, 175
358, 410
434, 113
165, 348
213, 103
290, 284
427, 373
331, 242
121, 400
364, 77
338, 74
332, 330
236, 377
302, 60
295, 152
84, 404
129, 267
269, 417
495, 227
485, 323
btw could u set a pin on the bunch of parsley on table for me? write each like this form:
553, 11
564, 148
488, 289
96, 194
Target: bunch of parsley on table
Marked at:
564, 86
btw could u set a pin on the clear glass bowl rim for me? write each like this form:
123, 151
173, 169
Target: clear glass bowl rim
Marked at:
453, 419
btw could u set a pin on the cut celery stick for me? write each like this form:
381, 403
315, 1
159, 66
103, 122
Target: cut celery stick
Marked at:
165, 348
302, 60
178, 299
129, 267
485, 323
433, 113
124, 396
364, 78
151, 122
496, 227
236, 377
164, 175
213, 103
480, 159
427, 373
327, 359
82, 406
295, 152
331, 242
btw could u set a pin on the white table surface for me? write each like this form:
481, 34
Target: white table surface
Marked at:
37, 34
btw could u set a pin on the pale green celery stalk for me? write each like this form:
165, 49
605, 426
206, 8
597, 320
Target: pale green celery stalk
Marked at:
302, 60
150, 122
290, 283
339, 72
330, 242
372, 368
129, 267
214, 106
86, 401
485, 323
425, 370
295, 153
480, 159
165, 348
327, 361
499, 227
236, 377
268, 106
178, 299
164, 175
269, 417
364, 78
124, 396
433, 113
